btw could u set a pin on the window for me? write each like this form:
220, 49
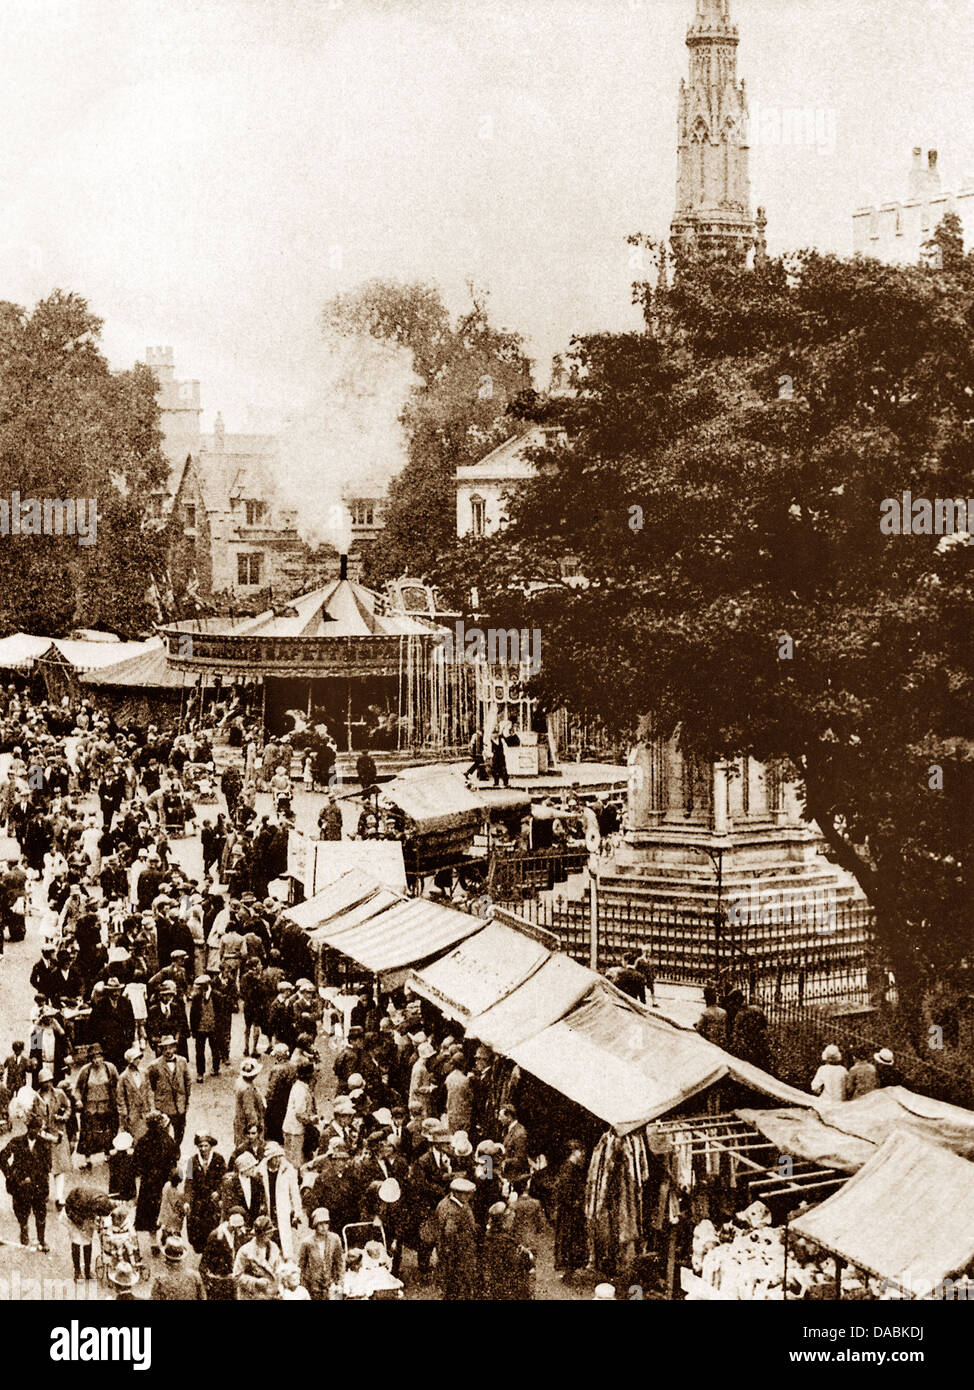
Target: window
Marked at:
363, 513
478, 515
189, 515
248, 569
255, 511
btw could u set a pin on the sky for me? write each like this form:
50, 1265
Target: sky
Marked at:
207, 173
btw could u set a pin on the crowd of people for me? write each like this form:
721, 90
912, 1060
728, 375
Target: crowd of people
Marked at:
142, 971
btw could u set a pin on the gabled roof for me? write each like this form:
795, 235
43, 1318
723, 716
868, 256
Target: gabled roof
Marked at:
507, 460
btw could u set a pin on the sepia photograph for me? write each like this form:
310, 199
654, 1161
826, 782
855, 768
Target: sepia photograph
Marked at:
486, 676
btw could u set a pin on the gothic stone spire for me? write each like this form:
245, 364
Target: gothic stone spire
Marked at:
713, 194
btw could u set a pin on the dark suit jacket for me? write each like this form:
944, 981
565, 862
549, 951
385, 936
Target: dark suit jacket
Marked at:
170, 1092
232, 1195
26, 1172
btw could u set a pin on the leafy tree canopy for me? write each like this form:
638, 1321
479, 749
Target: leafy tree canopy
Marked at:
71, 428
470, 371
720, 479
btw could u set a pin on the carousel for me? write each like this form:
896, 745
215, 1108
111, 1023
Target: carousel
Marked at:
341, 657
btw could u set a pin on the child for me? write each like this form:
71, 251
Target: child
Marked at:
292, 1290
121, 1168
135, 993
172, 1210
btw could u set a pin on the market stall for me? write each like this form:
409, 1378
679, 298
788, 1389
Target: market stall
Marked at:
443, 816
480, 972
380, 931
906, 1218
139, 686
313, 864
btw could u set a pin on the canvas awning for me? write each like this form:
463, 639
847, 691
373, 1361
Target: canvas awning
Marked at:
481, 971
143, 670
804, 1134
894, 1109
92, 656
629, 1066
546, 996
618, 1063
377, 902
439, 799
20, 651
408, 931
907, 1216
350, 889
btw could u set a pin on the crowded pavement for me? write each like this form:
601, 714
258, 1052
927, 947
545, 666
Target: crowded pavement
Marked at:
145, 1196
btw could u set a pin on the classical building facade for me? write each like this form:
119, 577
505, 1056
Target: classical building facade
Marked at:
896, 231
483, 488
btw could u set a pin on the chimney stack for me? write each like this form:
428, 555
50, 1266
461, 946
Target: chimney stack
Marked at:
343, 567
924, 178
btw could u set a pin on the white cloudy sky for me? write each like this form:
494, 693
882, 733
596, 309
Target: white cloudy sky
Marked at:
191, 165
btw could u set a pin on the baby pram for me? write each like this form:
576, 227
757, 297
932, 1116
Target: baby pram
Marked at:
200, 782
176, 811
368, 1272
118, 1243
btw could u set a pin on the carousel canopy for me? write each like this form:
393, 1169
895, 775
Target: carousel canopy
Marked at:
339, 629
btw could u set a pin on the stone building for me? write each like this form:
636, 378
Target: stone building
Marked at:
713, 193
230, 537
484, 487
179, 411
895, 231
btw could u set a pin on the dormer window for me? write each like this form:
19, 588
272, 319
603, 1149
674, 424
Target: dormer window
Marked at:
255, 511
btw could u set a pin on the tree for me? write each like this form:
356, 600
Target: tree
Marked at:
469, 372
72, 429
945, 249
721, 480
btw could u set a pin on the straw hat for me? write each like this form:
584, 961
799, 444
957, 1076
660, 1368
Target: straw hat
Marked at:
389, 1191
123, 1276
831, 1054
